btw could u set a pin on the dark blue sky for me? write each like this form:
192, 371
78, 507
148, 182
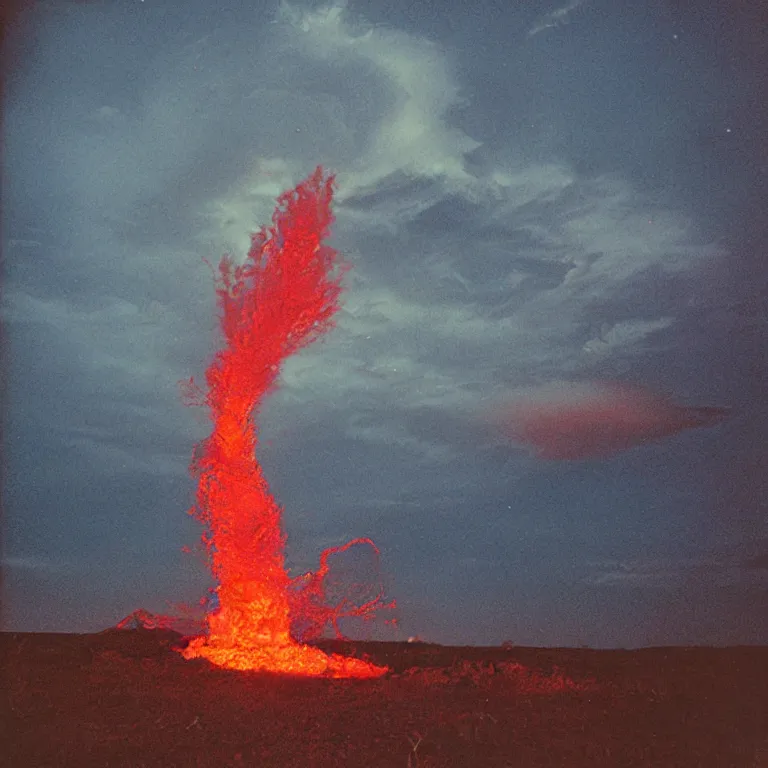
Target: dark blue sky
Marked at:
541, 207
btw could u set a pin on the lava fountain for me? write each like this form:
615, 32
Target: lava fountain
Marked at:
282, 298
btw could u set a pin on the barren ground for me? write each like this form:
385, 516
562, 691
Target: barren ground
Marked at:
125, 698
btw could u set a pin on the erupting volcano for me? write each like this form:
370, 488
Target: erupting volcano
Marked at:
278, 301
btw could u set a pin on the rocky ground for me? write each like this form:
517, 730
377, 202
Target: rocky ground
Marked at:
126, 698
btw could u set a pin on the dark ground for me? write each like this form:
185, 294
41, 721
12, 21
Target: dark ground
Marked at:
125, 698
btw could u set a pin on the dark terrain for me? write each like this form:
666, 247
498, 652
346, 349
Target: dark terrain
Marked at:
126, 698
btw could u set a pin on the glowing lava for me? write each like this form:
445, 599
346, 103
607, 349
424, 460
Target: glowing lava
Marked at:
280, 300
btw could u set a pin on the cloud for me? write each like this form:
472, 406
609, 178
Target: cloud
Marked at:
624, 334
369, 102
722, 569
595, 420
33, 563
413, 134
556, 18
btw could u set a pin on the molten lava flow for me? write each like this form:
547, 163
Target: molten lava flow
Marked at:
281, 299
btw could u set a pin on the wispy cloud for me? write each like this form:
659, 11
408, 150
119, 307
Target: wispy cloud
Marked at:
556, 18
723, 570
34, 563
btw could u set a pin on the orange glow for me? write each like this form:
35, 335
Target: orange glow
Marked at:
280, 300
308, 597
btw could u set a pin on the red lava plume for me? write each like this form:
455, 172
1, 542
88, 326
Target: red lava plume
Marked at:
579, 422
280, 300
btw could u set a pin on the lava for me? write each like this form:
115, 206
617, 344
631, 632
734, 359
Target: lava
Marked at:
282, 298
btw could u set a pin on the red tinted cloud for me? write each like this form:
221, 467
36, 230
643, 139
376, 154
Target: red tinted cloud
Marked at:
583, 421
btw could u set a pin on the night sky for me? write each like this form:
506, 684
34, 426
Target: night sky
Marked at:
545, 397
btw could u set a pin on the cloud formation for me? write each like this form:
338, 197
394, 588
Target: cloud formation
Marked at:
596, 420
